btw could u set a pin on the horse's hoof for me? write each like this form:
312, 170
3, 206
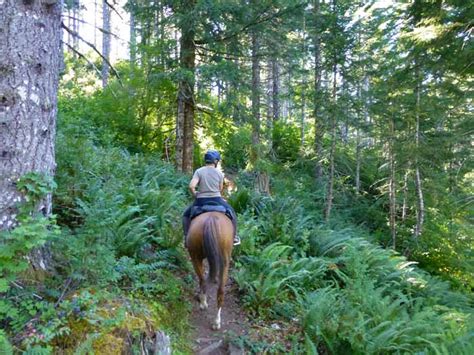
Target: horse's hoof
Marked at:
214, 280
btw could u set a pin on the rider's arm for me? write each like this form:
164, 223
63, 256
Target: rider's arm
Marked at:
192, 185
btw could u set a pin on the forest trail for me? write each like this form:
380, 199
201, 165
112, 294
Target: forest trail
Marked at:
234, 323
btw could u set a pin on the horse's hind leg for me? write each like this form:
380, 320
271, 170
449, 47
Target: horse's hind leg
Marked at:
199, 268
220, 295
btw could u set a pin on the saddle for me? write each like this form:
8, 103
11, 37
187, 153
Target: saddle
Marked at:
210, 207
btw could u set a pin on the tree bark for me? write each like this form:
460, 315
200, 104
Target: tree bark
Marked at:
284, 89
303, 87
255, 90
420, 206
330, 187
362, 106
269, 102
75, 25
345, 112
69, 35
303, 114
275, 89
185, 116
30, 59
133, 40
105, 43
358, 160
405, 193
391, 185
318, 124
262, 184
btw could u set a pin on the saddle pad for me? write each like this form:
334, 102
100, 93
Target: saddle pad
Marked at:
197, 210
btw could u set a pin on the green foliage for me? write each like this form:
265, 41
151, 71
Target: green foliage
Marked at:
131, 115
5, 346
33, 231
348, 293
121, 214
240, 200
35, 186
236, 148
286, 141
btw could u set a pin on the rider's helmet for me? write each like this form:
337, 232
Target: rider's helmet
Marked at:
212, 157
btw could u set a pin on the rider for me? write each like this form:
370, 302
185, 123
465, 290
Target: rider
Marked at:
210, 183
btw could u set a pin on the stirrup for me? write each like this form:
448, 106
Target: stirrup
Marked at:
236, 240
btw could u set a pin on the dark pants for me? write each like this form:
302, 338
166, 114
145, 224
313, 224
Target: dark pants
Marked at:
205, 201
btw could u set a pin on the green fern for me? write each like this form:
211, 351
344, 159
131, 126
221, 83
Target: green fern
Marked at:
5, 346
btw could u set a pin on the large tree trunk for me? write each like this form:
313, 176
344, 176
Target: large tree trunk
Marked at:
255, 92
391, 185
334, 109
133, 40
185, 116
420, 205
318, 124
345, 111
30, 58
275, 89
362, 102
286, 92
105, 42
332, 151
75, 25
303, 87
262, 179
303, 114
269, 101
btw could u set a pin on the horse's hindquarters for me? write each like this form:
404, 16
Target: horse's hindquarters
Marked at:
211, 236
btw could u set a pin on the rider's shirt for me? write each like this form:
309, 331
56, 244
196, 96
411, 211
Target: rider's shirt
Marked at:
210, 180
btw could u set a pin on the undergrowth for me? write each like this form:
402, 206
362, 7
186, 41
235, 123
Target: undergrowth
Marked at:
345, 293
114, 243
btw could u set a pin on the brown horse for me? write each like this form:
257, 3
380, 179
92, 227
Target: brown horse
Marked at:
210, 236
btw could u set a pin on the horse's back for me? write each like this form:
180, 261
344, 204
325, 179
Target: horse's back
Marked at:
224, 228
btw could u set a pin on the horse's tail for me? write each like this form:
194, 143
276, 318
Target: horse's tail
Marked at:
211, 246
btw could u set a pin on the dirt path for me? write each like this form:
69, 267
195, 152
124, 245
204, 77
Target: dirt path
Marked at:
234, 323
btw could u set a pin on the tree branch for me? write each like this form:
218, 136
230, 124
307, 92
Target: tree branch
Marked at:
97, 27
83, 57
95, 50
113, 8
258, 20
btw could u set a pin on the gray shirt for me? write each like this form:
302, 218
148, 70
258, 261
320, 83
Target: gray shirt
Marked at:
210, 180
